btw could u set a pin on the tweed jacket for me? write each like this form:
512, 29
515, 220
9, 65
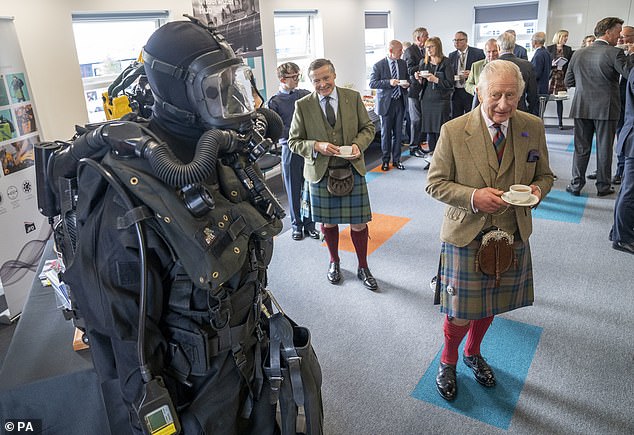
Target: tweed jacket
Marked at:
474, 76
594, 73
309, 125
465, 160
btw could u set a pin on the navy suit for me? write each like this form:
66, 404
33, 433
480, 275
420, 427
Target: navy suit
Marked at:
389, 107
623, 229
461, 100
542, 64
520, 52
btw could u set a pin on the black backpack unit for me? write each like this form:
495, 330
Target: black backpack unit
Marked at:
217, 217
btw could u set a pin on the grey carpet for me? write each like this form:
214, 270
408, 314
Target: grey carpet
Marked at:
375, 347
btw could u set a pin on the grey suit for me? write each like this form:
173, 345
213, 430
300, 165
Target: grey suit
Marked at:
594, 71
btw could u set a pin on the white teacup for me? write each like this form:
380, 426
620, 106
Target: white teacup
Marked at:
345, 150
562, 93
520, 192
425, 73
457, 77
403, 82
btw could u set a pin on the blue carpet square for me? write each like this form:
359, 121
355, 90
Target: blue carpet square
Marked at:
509, 348
561, 206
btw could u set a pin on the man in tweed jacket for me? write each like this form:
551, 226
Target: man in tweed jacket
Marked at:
470, 175
324, 121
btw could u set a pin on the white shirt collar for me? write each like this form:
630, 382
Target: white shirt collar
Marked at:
489, 123
333, 96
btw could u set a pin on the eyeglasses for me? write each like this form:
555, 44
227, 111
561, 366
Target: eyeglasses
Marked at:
293, 77
459, 39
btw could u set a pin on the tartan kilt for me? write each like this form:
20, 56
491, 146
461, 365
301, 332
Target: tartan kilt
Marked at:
330, 209
475, 295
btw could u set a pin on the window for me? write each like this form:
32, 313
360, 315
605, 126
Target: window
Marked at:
377, 37
519, 17
296, 40
106, 44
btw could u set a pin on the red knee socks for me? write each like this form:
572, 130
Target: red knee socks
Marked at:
331, 236
453, 337
477, 329
360, 242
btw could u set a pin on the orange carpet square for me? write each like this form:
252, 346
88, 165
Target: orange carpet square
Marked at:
381, 228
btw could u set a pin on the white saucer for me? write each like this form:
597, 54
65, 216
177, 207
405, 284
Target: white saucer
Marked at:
345, 156
531, 201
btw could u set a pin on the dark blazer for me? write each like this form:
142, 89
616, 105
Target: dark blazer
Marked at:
380, 80
542, 64
520, 52
530, 102
412, 57
567, 53
625, 142
474, 54
594, 71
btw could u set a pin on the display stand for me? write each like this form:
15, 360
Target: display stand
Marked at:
44, 378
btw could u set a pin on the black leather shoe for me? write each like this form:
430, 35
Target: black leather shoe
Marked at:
297, 235
385, 166
426, 167
334, 273
617, 179
399, 165
592, 176
365, 275
625, 247
417, 152
313, 234
607, 192
446, 381
481, 369
572, 191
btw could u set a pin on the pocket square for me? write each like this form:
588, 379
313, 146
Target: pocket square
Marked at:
533, 156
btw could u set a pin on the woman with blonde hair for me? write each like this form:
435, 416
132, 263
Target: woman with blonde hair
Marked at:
436, 76
561, 54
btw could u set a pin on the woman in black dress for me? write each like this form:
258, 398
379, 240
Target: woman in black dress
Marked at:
436, 76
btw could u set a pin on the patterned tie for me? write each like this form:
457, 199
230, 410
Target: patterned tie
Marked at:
462, 64
498, 141
330, 113
396, 92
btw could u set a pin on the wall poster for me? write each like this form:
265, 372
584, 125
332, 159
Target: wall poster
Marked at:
24, 230
239, 22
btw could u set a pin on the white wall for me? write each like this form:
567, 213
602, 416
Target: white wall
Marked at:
343, 24
45, 33
580, 16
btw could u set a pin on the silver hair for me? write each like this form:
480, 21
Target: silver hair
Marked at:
539, 38
506, 41
495, 69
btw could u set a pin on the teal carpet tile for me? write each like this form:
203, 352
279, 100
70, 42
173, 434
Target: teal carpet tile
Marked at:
561, 206
509, 348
